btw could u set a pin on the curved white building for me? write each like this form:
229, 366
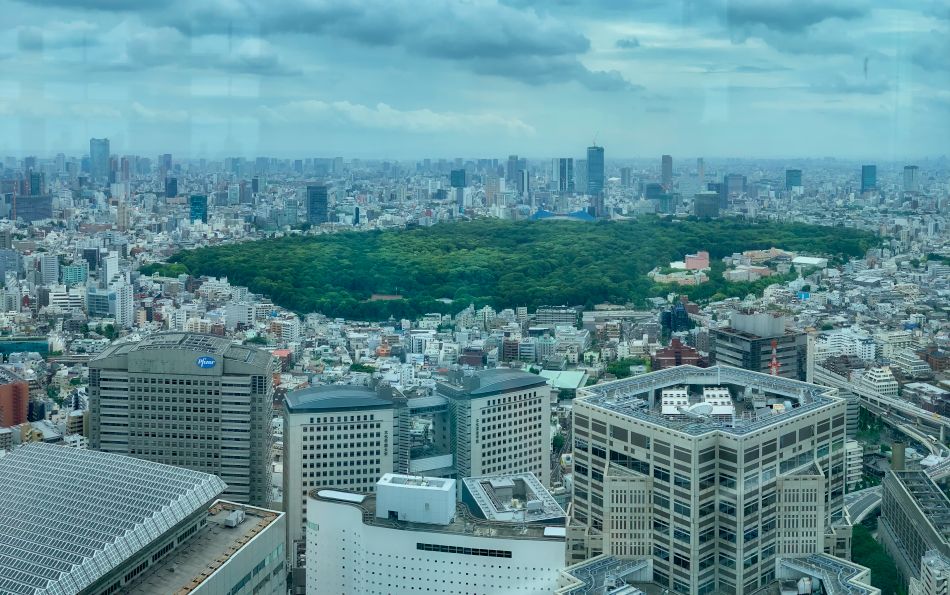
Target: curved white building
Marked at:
412, 537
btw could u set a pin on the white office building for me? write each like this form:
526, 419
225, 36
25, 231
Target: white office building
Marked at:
341, 437
414, 537
500, 422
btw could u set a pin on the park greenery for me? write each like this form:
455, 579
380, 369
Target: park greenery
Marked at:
868, 552
446, 267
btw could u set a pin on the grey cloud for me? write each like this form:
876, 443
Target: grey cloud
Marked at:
791, 16
841, 86
166, 47
932, 52
628, 43
57, 35
106, 5
487, 37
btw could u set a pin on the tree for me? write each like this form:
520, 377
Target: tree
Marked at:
557, 443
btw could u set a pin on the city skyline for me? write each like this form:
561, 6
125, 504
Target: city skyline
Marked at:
854, 80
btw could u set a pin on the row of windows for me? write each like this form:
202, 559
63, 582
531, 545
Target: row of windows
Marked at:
468, 551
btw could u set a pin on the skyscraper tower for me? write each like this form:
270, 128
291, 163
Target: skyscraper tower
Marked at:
511, 172
198, 208
868, 178
99, 158
317, 205
595, 170
565, 174
793, 178
911, 178
701, 174
666, 174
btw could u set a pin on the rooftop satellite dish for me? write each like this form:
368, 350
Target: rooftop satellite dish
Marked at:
697, 411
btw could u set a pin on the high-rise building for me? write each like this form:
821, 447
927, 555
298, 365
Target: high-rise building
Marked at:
198, 208
14, 399
666, 172
32, 208
565, 177
701, 174
511, 171
37, 183
793, 179
49, 268
171, 187
868, 178
505, 536
714, 475
321, 425
595, 170
195, 401
317, 211
911, 178
706, 204
130, 526
626, 177
753, 340
524, 182
915, 519
580, 175
500, 422
99, 158
457, 178
734, 185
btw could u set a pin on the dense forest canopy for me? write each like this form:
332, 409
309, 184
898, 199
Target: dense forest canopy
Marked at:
497, 262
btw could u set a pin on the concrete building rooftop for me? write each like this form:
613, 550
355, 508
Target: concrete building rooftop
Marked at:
334, 397
929, 497
639, 397
485, 383
190, 565
517, 497
464, 522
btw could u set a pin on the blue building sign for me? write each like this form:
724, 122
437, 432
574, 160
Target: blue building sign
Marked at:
205, 361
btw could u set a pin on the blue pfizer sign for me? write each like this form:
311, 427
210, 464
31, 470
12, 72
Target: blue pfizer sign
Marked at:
205, 361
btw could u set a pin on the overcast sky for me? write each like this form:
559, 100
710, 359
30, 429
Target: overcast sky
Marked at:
472, 78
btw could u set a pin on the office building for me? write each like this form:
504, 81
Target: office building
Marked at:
580, 175
37, 183
868, 178
554, 316
706, 204
506, 536
30, 208
49, 268
734, 185
339, 437
500, 422
934, 576
114, 524
750, 339
195, 401
626, 177
701, 174
911, 178
565, 174
595, 170
198, 208
715, 476
171, 187
666, 172
14, 399
511, 172
793, 179
317, 212
99, 159
915, 519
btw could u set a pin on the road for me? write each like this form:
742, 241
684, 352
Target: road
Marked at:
859, 504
